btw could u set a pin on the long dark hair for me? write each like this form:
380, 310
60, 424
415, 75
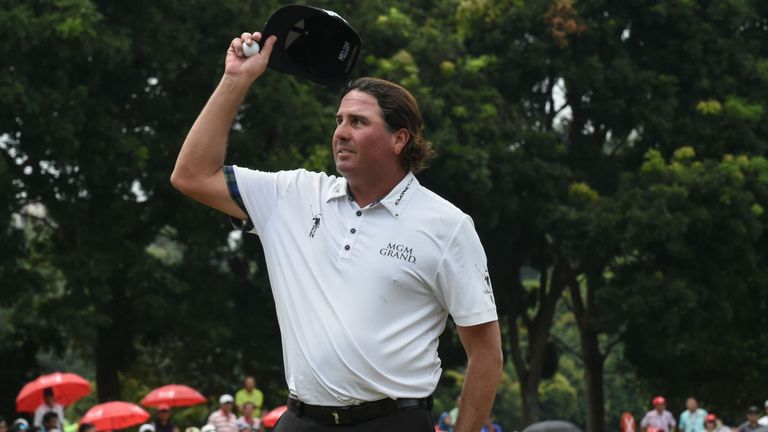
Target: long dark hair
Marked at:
400, 111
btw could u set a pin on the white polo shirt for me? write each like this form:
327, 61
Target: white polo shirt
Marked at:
362, 294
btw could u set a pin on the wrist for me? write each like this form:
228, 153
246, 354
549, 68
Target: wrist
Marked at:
235, 82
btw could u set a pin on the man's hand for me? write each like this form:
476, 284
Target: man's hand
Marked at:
237, 65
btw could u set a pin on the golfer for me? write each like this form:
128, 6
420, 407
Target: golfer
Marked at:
365, 267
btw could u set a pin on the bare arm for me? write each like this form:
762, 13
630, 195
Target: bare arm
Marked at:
198, 172
483, 346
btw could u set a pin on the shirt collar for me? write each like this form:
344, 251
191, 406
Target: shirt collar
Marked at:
398, 198
395, 201
337, 189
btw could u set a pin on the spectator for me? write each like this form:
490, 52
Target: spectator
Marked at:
692, 419
751, 424
713, 424
51, 422
3, 425
248, 422
443, 422
86, 427
249, 394
659, 418
490, 426
20, 425
163, 421
49, 405
223, 419
763, 421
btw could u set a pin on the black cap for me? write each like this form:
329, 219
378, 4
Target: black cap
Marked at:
313, 43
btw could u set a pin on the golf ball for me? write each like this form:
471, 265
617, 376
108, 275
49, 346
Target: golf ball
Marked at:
250, 50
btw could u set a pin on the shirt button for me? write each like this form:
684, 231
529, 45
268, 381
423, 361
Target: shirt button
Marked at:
353, 230
359, 213
346, 247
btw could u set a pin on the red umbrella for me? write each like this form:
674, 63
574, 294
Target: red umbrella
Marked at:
173, 395
67, 388
115, 415
270, 419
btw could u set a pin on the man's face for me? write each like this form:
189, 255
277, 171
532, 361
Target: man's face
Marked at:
752, 417
227, 407
163, 415
250, 383
661, 407
49, 400
3, 426
248, 410
52, 423
691, 404
362, 143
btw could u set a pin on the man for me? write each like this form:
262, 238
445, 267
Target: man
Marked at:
223, 419
21, 425
763, 421
364, 268
249, 394
163, 422
659, 418
713, 424
248, 422
51, 422
692, 419
3, 425
49, 405
751, 424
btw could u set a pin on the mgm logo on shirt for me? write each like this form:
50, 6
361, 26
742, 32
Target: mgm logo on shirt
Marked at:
398, 251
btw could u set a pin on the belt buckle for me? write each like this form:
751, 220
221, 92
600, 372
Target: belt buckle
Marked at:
341, 415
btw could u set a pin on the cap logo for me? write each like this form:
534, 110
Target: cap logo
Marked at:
344, 51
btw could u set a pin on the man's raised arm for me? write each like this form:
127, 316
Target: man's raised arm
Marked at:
198, 172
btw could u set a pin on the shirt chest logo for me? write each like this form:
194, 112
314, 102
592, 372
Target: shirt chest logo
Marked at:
315, 223
398, 251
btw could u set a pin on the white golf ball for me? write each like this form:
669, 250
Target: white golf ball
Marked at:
250, 50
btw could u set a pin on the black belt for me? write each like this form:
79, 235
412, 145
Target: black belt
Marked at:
353, 414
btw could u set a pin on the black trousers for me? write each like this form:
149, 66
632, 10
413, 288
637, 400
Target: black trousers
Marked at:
411, 420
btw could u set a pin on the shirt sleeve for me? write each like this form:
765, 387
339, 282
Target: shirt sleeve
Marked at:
257, 193
38, 420
463, 284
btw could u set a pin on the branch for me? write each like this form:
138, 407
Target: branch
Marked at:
567, 347
611, 345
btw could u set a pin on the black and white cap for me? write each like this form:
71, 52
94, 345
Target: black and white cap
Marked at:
313, 43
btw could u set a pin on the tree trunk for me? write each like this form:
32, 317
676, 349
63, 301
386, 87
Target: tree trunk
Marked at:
530, 366
107, 379
593, 376
529, 390
592, 356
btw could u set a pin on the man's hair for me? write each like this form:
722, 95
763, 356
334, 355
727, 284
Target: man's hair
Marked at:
400, 111
85, 427
47, 391
49, 415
